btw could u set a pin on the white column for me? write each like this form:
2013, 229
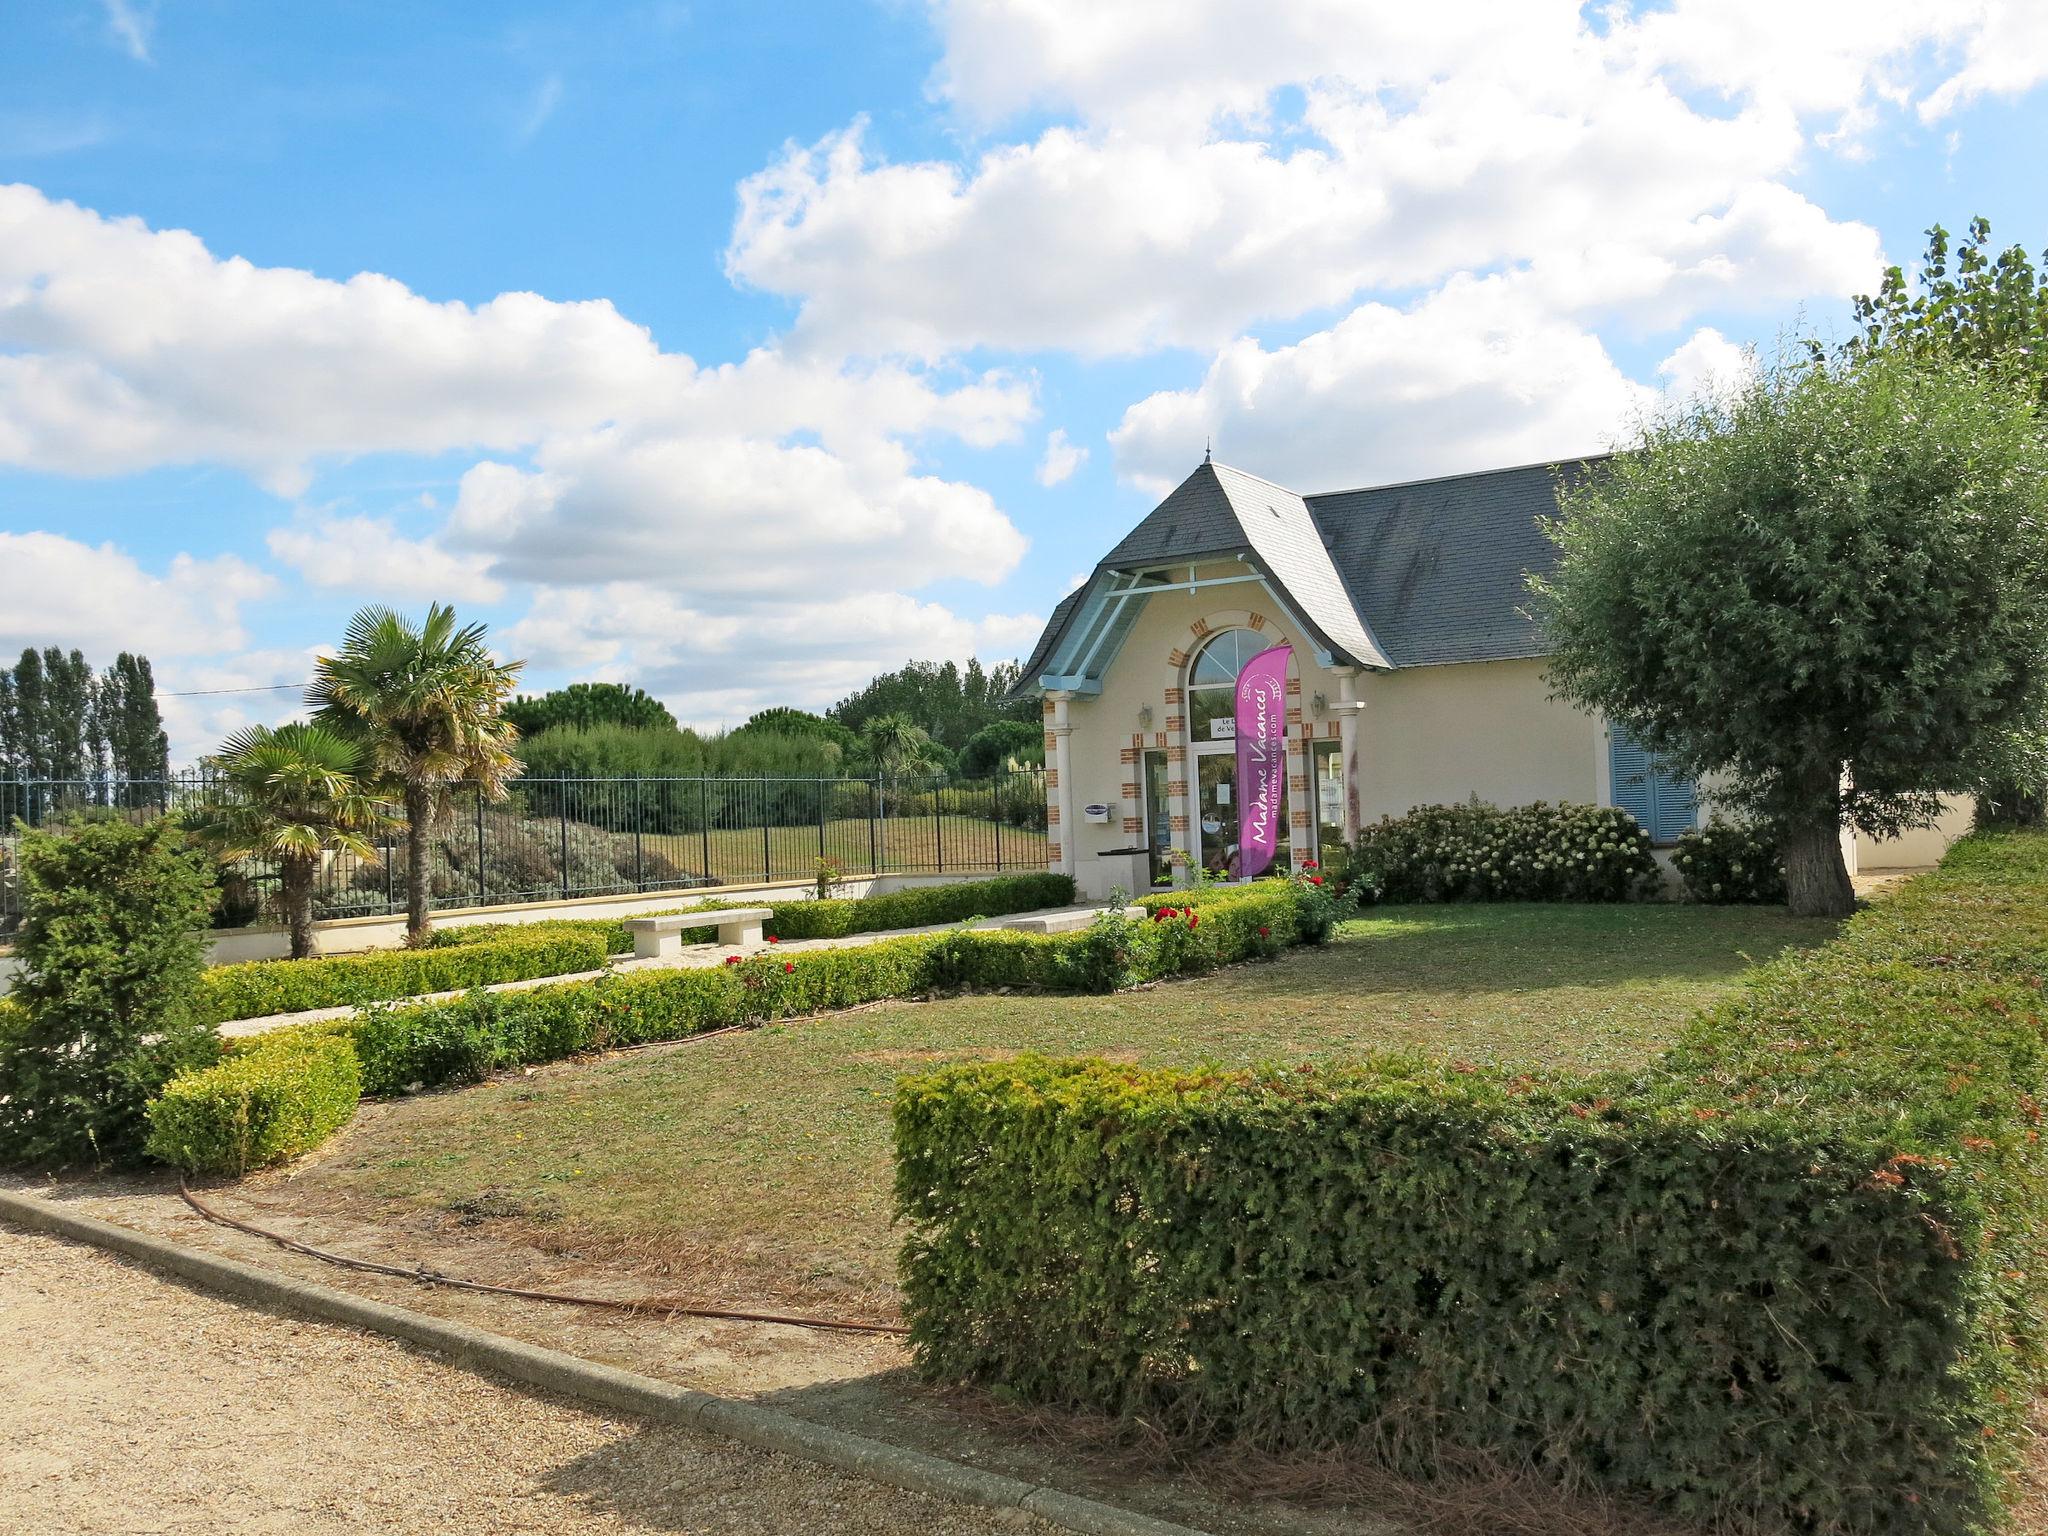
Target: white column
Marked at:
1348, 707
1063, 775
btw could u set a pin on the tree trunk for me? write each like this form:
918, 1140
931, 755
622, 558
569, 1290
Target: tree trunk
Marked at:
419, 824
295, 876
1816, 876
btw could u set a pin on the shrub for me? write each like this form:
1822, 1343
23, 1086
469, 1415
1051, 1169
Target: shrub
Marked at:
272, 1098
260, 987
1478, 852
1790, 1276
1727, 861
111, 953
922, 906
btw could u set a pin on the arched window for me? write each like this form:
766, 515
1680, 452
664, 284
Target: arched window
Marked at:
1212, 682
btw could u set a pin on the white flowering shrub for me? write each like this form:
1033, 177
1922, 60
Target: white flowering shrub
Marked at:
1479, 852
1732, 862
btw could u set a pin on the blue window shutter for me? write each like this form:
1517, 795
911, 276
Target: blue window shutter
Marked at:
1629, 769
1662, 802
1676, 807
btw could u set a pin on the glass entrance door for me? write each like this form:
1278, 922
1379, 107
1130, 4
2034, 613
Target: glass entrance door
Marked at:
1217, 808
1216, 805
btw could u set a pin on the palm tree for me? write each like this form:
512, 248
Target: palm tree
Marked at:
427, 701
897, 743
298, 795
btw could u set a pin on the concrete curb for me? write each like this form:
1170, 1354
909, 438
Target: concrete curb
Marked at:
626, 1391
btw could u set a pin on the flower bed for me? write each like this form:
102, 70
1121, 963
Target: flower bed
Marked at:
1790, 1276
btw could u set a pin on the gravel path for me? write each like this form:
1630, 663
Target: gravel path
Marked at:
130, 1404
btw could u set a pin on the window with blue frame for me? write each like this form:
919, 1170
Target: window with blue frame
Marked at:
1643, 786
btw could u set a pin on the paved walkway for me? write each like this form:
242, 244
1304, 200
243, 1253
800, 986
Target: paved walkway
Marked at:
131, 1404
693, 956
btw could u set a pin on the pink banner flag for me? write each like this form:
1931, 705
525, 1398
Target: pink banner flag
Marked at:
1261, 758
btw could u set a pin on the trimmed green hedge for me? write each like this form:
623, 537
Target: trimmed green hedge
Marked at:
399, 1048
831, 918
268, 1099
1790, 1276
258, 988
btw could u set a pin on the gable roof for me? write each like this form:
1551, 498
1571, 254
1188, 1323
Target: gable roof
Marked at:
1414, 574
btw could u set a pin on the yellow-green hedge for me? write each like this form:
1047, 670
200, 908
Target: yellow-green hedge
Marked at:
258, 988
1790, 1276
268, 1099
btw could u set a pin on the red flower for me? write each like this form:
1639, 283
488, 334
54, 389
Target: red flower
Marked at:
773, 940
1194, 918
789, 965
732, 959
1265, 933
1310, 864
1315, 879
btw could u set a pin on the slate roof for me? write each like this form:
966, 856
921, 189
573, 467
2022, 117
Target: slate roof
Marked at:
1414, 574
1439, 567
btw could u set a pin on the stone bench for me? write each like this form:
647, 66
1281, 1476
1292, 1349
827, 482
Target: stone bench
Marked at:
657, 937
1059, 922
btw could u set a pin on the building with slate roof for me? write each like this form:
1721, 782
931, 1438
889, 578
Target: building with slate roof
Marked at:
1413, 676
1414, 672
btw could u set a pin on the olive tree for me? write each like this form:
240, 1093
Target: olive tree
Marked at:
1823, 590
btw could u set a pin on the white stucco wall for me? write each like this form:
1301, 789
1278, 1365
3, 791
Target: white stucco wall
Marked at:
1434, 735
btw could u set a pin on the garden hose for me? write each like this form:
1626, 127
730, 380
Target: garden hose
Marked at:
667, 1306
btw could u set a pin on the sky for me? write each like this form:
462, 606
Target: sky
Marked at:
740, 352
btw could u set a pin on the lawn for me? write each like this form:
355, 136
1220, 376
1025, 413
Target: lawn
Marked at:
757, 1165
917, 843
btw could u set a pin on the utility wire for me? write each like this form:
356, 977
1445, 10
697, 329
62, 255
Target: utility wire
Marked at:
195, 693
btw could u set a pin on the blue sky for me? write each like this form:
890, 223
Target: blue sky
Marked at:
854, 331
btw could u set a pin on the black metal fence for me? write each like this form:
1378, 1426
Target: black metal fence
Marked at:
556, 839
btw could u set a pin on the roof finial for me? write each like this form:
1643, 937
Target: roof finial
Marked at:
1205, 448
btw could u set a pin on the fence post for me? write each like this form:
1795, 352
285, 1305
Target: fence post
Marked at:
704, 822
938, 827
821, 819
639, 822
482, 887
564, 801
767, 859
995, 814
877, 808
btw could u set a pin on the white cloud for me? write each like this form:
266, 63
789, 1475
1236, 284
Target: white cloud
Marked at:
1061, 458
204, 701
128, 347
1707, 364
131, 26
371, 557
1474, 376
735, 520
57, 591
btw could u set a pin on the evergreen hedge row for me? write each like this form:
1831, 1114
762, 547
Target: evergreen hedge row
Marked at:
267, 1099
1789, 1277
401, 1048
830, 918
257, 988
